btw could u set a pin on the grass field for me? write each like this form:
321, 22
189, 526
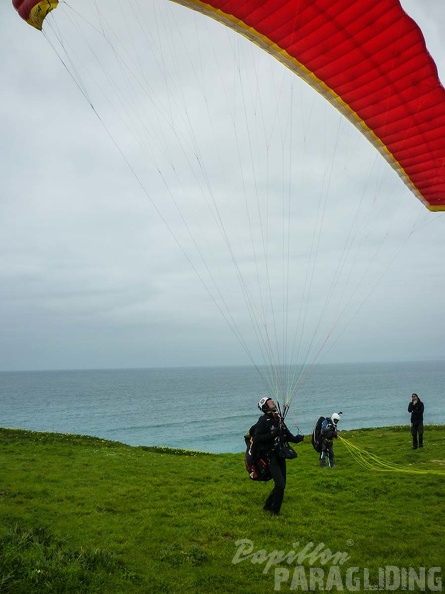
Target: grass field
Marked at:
80, 514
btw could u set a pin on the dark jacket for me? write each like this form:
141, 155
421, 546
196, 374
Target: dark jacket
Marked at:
416, 411
328, 430
270, 432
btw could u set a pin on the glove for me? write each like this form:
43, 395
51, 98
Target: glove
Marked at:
299, 438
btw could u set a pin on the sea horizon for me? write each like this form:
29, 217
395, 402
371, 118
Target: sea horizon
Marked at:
209, 408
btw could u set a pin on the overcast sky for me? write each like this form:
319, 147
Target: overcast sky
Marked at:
108, 257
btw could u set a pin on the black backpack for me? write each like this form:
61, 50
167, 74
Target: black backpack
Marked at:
316, 435
256, 466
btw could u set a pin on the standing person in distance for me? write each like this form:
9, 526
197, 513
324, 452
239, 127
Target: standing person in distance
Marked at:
416, 408
269, 434
328, 434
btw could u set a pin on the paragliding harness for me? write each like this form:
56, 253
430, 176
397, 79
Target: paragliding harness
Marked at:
317, 439
256, 466
316, 435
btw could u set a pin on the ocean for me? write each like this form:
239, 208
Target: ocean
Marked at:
209, 409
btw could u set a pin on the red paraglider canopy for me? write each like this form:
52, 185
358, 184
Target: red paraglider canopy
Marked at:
367, 58
34, 11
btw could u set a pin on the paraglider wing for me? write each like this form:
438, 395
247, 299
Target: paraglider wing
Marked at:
34, 11
367, 58
370, 61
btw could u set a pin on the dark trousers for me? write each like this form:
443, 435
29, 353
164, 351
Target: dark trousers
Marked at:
277, 468
417, 431
327, 451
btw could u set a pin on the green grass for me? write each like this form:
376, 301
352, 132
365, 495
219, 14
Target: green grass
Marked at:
80, 514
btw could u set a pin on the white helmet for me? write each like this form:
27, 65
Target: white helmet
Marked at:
335, 417
262, 404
